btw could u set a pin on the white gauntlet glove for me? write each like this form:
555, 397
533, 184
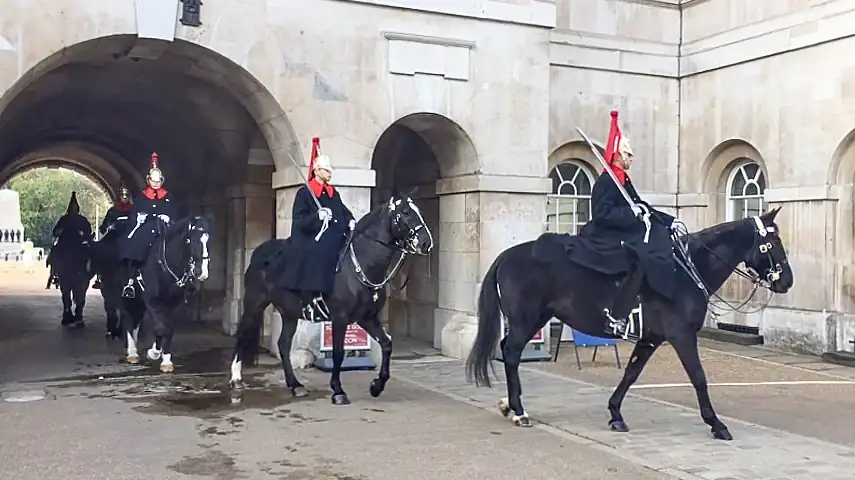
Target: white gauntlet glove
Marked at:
324, 214
679, 228
141, 217
352, 225
165, 218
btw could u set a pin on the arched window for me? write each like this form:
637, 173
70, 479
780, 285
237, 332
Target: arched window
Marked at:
745, 187
569, 204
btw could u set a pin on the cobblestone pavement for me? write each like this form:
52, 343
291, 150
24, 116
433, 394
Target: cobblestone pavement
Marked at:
664, 436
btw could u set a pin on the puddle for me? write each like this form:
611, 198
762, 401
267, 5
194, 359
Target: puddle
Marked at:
24, 396
213, 464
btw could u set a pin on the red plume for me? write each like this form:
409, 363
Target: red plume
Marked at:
316, 150
153, 159
614, 138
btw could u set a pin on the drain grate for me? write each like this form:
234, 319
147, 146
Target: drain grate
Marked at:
732, 327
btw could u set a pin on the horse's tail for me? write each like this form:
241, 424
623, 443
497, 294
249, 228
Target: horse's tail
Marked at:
489, 328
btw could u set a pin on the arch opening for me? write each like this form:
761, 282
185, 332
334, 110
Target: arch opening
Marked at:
215, 128
413, 154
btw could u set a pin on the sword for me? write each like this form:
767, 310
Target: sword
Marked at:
646, 215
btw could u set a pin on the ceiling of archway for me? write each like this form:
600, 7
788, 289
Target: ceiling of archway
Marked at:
130, 108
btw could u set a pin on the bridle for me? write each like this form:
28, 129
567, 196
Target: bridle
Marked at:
764, 247
405, 245
189, 275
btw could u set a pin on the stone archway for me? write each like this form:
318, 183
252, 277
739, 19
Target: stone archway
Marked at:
103, 107
415, 153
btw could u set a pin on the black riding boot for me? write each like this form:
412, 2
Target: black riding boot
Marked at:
617, 319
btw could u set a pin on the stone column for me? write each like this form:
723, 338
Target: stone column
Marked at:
208, 303
250, 223
354, 186
480, 216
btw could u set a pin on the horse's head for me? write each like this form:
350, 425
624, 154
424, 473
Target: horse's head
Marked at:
768, 257
197, 237
409, 230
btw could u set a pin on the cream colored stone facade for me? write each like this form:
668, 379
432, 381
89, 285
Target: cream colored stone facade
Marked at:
471, 102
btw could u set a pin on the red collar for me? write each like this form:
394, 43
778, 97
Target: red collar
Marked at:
318, 187
123, 207
153, 194
620, 174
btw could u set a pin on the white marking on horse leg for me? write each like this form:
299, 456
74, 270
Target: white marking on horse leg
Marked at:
204, 238
236, 370
136, 336
166, 365
132, 356
153, 353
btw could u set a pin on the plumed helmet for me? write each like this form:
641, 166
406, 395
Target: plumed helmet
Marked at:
624, 148
154, 173
323, 161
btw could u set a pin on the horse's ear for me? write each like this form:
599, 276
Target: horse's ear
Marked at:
771, 214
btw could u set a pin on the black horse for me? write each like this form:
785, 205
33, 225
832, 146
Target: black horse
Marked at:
390, 230
104, 262
175, 265
538, 282
69, 264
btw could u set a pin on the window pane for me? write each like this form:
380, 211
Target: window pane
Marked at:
583, 184
762, 182
750, 170
754, 207
556, 180
752, 189
738, 184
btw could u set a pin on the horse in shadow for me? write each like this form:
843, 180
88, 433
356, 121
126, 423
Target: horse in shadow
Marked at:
175, 266
386, 235
532, 282
104, 261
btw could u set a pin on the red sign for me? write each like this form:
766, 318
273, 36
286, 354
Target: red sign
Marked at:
536, 339
355, 338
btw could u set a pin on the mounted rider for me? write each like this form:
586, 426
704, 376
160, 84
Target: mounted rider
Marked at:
71, 230
152, 210
321, 224
121, 208
622, 239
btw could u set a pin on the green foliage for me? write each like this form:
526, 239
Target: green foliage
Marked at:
45, 194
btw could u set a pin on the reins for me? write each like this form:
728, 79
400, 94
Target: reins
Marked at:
750, 274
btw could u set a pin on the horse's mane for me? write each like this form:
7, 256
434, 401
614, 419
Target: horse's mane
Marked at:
371, 217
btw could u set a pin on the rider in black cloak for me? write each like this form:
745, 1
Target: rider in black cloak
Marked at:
153, 210
71, 234
317, 238
122, 207
613, 242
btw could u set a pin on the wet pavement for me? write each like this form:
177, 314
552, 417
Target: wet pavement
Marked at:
69, 409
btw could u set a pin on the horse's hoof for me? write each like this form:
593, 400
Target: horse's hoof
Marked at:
153, 354
340, 399
133, 359
236, 385
300, 392
522, 420
504, 407
376, 388
167, 368
618, 426
723, 434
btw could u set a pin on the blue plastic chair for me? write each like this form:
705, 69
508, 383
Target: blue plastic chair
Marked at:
583, 340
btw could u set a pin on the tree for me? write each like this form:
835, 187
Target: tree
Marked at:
45, 193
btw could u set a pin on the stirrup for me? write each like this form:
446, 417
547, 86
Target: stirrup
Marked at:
129, 291
320, 308
618, 327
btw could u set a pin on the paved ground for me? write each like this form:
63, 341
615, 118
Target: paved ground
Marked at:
429, 424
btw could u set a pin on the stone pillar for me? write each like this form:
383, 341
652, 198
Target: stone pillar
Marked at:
208, 305
354, 186
250, 223
480, 216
